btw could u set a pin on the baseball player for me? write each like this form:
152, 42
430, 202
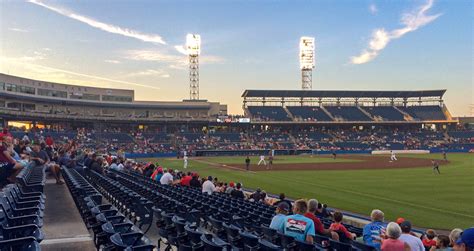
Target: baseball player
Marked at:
262, 159
435, 166
392, 156
185, 160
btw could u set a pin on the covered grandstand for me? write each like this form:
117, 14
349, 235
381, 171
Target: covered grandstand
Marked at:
307, 106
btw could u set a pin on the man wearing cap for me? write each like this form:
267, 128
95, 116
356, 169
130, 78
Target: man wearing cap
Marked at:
465, 241
412, 241
279, 219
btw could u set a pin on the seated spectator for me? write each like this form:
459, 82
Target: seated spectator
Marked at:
186, 179
230, 188
65, 159
413, 241
9, 167
237, 192
442, 244
208, 187
465, 241
96, 165
279, 219
283, 199
339, 228
256, 196
297, 225
428, 238
195, 181
454, 236
372, 231
167, 178
113, 164
392, 243
40, 157
318, 225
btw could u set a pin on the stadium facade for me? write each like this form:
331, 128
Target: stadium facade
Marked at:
23, 99
41, 102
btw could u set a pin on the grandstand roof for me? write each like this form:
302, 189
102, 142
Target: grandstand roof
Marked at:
341, 94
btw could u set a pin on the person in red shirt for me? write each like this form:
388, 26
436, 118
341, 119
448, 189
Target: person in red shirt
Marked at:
186, 179
318, 225
49, 141
428, 238
339, 228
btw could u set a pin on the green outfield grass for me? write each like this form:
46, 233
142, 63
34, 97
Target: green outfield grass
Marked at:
434, 201
278, 159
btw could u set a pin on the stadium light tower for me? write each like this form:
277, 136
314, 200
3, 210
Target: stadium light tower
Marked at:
193, 46
307, 62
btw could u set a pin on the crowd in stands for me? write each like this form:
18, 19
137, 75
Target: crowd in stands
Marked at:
303, 220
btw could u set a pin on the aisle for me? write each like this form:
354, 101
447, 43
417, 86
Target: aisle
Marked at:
63, 225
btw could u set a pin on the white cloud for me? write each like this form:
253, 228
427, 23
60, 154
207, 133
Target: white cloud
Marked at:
149, 72
103, 26
152, 55
46, 72
111, 61
175, 61
380, 38
18, 30
373, 9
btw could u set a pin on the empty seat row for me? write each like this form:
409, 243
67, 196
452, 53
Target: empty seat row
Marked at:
111, 224
22, 210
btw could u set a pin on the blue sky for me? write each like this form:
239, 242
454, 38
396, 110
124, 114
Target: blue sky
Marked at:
367, 44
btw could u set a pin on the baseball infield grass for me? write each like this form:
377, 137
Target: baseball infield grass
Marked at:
428, 200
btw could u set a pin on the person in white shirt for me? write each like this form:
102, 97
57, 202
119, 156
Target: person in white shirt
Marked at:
262, 159
412, 241
167, 178
208, 187
392, 156
185, 159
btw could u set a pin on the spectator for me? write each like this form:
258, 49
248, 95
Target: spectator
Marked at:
372, 231
279, 219
297, 225
9, 167
465, 241
195, 181
256, 196
40, 157
428, 238
454, 236
392, 243
167, 178
442, 243
237, 192
186, 179
96, 165
340, 229
113, 164
208, 186
283, 199
412, 241
318, 225
230, 188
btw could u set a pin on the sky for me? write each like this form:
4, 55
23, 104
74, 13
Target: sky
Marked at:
246, 44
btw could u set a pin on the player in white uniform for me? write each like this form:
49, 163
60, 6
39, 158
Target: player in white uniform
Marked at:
392, 156
262, 159
185, 159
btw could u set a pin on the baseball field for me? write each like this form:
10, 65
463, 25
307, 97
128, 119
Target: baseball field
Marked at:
405, 188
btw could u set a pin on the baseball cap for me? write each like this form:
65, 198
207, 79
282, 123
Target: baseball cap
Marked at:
283, 206
467, 238
400, 220
405, 226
